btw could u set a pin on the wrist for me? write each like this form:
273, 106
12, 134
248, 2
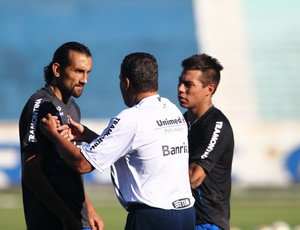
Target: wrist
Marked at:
85, 130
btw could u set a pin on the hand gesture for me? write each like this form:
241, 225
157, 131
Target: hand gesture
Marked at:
95, 221
49, 125
64, 130
73, 131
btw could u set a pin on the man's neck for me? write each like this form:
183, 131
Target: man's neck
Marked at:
141, 96
58, 93
195, 113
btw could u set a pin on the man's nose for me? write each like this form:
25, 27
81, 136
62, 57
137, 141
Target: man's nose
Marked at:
84, 78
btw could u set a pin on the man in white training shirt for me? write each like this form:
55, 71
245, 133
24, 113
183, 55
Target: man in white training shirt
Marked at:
146, 147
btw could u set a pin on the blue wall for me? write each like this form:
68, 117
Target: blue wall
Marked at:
31, 31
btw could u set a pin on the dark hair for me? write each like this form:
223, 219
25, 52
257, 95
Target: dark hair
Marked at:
142, 70
61, 56
209, 66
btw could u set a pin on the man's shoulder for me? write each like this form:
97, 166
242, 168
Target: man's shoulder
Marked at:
217, 115
42, 99
219, 119
42, 94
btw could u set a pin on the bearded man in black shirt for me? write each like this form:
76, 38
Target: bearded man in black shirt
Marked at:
53, 192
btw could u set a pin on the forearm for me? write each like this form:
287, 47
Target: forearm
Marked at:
197, 175
88, 134
95, 221
91, 210
71, 154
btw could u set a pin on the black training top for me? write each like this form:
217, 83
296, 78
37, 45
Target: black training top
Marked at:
66, 181
211, 145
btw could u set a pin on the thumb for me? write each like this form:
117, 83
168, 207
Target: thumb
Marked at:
72, 122
75, 125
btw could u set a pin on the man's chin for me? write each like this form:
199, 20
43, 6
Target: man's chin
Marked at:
183, 105
77, 94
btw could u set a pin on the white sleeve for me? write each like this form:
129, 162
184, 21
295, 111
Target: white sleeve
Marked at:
115, 141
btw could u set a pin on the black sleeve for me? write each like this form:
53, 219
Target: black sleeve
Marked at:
30, 134
210, 148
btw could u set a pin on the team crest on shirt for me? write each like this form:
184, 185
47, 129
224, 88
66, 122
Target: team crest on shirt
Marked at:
60, 113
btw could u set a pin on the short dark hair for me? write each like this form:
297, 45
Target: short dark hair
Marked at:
209, 66
142, 70
62, 57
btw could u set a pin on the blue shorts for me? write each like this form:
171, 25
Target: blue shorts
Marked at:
148, 218
206, 227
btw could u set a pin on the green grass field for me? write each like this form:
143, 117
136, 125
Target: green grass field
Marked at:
250, 207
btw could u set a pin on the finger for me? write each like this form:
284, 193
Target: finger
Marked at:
58, 123
63, 127
101, 225
64, 133
72, 122
43, 121
55, 117
48, 116
71, 136
93, 225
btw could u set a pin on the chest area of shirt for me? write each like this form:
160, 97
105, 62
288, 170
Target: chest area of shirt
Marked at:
65, 112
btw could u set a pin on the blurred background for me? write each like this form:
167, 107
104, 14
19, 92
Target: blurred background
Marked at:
257, 42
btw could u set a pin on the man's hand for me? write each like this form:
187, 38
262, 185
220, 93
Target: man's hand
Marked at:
73, 131
197, 175
95, 221
49, 125
64, 131
67, 150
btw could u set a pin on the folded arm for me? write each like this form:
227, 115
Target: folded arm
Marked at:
197, 175
77, 132
68, 151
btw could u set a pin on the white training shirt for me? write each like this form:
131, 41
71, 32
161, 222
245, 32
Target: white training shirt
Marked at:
147, 147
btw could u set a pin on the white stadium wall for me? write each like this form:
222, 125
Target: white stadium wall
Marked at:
258, 46
10, 160
261, 154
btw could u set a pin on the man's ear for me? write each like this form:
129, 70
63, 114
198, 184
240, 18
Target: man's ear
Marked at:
211, 88
56, 69
127, 83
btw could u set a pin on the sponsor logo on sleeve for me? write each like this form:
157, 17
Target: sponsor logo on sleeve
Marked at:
213, 139
34, 120
113, 123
